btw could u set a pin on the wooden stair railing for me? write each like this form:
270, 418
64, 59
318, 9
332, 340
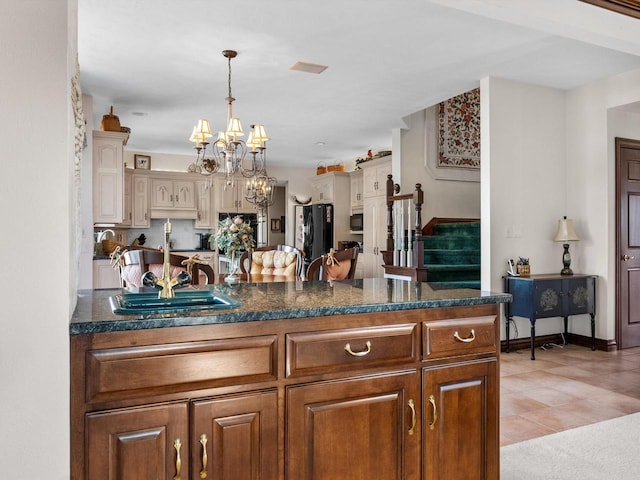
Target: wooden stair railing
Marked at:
404, 259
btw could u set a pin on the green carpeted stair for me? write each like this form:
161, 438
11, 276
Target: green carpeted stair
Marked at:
452, 255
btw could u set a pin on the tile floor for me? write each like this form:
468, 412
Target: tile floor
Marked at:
565, 388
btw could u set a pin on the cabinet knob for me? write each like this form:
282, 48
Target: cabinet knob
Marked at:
432, 402
203, 442
177, 444
413, 416
347, 347
469, 339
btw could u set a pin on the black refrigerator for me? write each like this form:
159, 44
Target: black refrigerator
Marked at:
314, 230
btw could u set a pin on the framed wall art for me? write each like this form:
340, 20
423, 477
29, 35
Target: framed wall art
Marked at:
142, 162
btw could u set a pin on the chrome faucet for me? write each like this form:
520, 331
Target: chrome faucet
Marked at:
166, 284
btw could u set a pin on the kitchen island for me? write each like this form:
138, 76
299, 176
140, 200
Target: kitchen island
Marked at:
359, 379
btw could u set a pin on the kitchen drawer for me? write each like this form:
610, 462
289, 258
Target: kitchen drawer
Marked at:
334, 350
460, 336
130, 372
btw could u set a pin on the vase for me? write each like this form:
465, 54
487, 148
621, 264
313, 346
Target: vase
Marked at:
234, 263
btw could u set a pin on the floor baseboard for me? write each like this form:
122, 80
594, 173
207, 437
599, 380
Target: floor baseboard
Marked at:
581, 340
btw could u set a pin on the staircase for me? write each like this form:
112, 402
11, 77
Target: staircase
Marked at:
452, 255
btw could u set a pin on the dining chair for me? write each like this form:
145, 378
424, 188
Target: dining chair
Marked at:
335, 265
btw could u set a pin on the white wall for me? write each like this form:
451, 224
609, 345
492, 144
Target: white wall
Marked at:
39, 257
523, 188
591, 190
442, 198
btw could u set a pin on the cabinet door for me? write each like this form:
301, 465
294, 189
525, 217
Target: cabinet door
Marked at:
138, 443
141, 202
161, 193
322, 189
547, 298
127, 218
104, 275
579, 295
360, 429
461, 422
204, 218
108, 177
370, 179
374, 236
356, 191
184, 195
227, 201
236, 437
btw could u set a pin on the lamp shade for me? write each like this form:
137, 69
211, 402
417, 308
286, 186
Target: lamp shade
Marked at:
204, 128
566, 232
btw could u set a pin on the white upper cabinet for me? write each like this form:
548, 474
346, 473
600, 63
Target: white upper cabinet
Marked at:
108, 177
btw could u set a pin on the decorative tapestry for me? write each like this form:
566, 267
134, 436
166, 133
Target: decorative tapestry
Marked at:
459, 131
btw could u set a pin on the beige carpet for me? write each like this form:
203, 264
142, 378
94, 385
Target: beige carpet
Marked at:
607, 450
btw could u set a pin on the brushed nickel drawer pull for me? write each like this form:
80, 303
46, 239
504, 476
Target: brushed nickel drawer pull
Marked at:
177, 444
347, 347
432, 401
203, 442
413, 416
469, 339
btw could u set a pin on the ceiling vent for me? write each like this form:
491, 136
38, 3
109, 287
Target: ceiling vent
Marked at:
308, 67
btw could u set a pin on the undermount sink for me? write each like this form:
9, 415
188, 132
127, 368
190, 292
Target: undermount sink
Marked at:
133, 303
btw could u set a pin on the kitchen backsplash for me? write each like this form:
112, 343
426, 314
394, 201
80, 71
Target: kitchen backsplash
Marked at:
183, 235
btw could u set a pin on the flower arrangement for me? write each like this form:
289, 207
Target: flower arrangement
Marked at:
233, 235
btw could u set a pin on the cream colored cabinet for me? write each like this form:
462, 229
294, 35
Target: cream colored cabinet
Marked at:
204, 199
231, 195
108, 177
128, 199
169, 194
140, 209
375, 215
356, 190
104, 275
375, 177
374, 236
323, 188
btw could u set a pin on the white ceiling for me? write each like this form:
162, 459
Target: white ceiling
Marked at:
386, 59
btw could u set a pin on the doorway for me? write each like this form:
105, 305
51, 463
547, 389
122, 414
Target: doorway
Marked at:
627, 242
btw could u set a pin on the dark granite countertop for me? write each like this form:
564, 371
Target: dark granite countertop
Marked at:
272, 301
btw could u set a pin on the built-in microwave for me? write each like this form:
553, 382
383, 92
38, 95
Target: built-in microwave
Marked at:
355, 222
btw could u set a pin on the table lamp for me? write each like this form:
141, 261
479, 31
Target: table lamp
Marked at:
566, 233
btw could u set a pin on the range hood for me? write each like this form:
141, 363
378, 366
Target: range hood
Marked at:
173, 213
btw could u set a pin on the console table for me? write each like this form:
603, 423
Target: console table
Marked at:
550, 295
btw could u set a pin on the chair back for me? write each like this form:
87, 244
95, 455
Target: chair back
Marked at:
281, 260
340, 265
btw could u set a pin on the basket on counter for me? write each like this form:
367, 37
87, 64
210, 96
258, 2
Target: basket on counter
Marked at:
108, 246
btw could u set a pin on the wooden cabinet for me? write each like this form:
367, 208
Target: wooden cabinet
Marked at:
409, 394
204, 199
356, 428
356, 190
235, 436
322, 188
172, 194
461, 415
108, 177
138, 443
140, 208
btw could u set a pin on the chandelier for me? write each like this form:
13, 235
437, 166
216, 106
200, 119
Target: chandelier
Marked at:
228, 151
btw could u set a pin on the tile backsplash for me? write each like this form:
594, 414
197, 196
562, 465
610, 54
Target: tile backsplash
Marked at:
183, 235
